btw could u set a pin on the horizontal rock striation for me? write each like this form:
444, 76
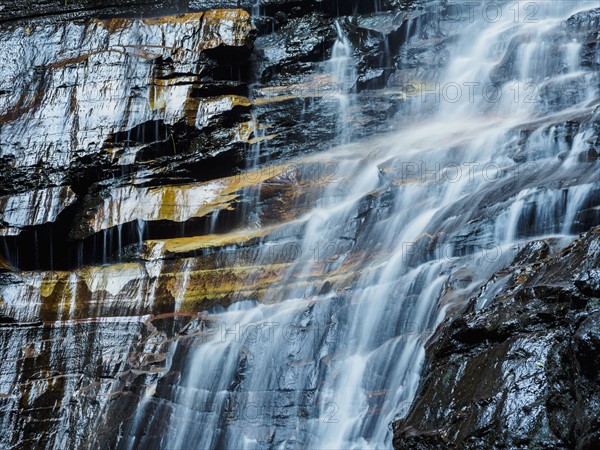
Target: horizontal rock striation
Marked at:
157, 160
93, 104
22, 11
133, 190
88, 105
81, 90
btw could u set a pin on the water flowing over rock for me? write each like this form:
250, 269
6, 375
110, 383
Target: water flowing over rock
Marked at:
520, 373
299, 224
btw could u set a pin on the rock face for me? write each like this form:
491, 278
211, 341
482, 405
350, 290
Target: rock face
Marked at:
86, 105
157, 161
522, 372
95, 89
94, 106
123, 212
19, 11
517, 368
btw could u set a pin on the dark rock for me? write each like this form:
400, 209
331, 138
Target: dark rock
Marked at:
86, 331
300, 40
6, 319
18, 10
589, 155
589, 283
588, 20
521, 372
190, 97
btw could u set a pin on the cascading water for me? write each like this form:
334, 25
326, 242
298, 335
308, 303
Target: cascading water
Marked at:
333, 352
342, 68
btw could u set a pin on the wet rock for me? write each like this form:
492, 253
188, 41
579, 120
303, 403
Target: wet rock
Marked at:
201, 138
504, 71
588, 20
107, 99
519, 372
33, 208
142, 76
155, 225
376, 38
582, 28
119, 205
586, 25
591, 155
18, 10
301, 40
589, 283
58, 375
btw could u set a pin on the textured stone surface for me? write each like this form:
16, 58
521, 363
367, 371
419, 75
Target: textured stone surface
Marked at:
516, 369
521, 372
134, 196
69, 87
19, 10
121, 138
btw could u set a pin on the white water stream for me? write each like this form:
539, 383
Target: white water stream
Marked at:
332, 369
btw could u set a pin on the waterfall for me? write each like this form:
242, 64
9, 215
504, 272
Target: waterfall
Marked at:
332, 353
342, 69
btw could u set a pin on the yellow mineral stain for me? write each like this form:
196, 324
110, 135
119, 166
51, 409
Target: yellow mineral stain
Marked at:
181, 18
214, 23
187, 244
111, 279
116, 24
224, 283
50, 281
4, 265
179, 203
262, 138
